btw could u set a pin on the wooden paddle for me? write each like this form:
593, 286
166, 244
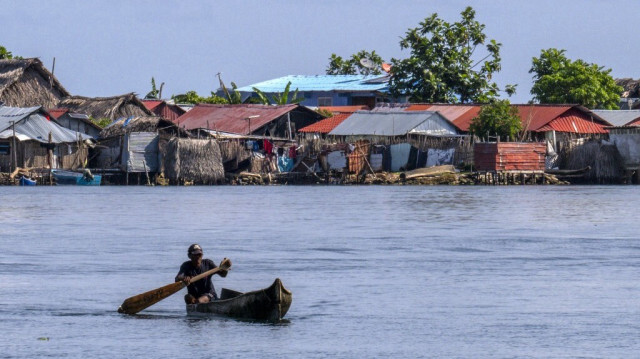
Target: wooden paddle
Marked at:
139, 302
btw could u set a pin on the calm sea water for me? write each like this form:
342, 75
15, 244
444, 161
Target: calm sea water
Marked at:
403, 272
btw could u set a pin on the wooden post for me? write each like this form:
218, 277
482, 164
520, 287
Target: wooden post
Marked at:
14, 148
50, 156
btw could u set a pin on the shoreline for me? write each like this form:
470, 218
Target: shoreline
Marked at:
426, 177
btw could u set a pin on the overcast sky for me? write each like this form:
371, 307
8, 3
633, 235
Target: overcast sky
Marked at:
105, 48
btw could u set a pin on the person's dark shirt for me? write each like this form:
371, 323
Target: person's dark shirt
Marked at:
203, 286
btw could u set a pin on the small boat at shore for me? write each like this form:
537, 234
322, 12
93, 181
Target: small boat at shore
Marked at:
269, 304
25, 181
85, 178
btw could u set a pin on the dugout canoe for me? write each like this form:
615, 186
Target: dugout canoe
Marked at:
269, 304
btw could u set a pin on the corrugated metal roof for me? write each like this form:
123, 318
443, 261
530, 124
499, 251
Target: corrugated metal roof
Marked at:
618, 117
459, 115
394, 124
573, 122
151, 104
536, 117
344, 109
322, 83
31, 123
57, 112
326, 125
231, 118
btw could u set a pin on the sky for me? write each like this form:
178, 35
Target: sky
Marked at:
107, 48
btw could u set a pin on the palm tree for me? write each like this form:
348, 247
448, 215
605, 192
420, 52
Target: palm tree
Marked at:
279, 99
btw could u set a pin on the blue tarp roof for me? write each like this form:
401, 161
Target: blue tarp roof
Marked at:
327, 83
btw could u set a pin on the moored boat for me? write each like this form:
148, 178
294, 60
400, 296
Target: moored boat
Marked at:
25, 181
269, 304
85, 178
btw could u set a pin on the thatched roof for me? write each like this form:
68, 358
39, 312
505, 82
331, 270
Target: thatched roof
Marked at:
26, 83
141, 124
113, 108
631, 87
194, 160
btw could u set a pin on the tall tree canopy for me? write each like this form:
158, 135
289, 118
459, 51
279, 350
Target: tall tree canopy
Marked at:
444, 65
557, 79
353, 66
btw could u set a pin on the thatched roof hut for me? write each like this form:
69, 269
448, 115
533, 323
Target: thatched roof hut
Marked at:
142, 124
113, 108
194, 160
27, 83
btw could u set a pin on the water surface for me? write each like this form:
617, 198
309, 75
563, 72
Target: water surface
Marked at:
468, 272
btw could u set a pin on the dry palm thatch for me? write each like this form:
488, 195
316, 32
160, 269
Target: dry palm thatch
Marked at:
605, 162
194, 160
113, 108
630, 87
141, 124
26, 83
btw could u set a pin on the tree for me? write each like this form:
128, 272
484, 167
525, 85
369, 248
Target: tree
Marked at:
194, 98
154, 93
353, 66
279, 99
498, 118
557, 79
7, 55
443, 65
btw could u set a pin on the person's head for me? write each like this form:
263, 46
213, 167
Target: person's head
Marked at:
195, 254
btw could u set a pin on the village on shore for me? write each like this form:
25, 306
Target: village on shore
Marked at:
347, 129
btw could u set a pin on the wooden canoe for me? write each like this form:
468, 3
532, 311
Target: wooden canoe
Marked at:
269, 304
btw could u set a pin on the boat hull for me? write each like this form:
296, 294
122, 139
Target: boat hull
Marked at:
75, 178
269, 304
24, 181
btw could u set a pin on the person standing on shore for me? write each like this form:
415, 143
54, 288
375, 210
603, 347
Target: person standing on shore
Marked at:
201, 291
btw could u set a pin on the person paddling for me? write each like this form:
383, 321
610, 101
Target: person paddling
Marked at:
201, 291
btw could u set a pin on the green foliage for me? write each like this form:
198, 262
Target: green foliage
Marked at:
352, 66
153, 94
279, 98
7, 55
234, 97
557, 79
324, 113
194, 98
498, 118
443, 66
101, 122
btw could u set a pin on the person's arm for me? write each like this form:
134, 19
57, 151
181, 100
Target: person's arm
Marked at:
181, 277
226, 263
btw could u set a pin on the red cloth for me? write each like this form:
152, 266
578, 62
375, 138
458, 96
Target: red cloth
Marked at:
268, 147
292, 151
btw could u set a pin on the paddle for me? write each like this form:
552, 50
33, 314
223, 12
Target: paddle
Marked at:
133, 305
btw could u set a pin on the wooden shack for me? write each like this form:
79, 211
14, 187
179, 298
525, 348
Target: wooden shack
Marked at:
509, 156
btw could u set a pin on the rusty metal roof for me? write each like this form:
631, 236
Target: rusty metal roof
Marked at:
232, 118
151, 104
326, 125
537, 118
574, 121
57, 112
